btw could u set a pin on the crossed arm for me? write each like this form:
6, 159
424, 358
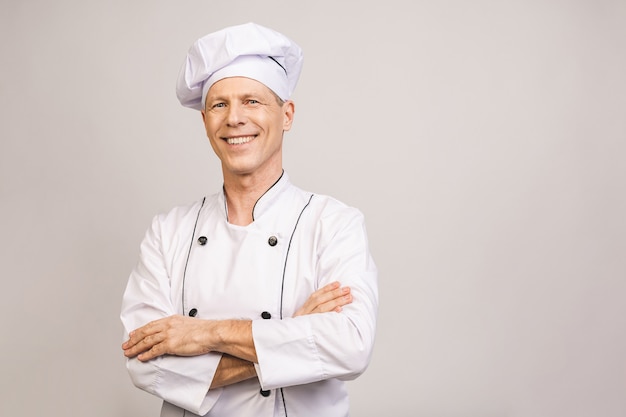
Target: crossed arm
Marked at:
187, 336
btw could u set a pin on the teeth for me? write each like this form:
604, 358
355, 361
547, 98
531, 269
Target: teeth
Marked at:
239, 140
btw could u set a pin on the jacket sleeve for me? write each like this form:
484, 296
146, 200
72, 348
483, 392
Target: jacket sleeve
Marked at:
316, 347
183, 381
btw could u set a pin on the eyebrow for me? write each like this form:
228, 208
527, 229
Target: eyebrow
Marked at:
278, 100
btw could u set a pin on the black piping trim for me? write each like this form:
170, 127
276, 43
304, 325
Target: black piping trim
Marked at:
278, 63
193, 235
255, 203
225, 202
282, 286
282, 394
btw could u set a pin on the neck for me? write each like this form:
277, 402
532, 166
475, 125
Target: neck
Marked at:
242, 193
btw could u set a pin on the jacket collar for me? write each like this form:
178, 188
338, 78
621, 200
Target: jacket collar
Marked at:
266, 201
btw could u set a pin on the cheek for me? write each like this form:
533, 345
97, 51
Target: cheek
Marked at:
214, 147
211, 135
276, 121
210, 126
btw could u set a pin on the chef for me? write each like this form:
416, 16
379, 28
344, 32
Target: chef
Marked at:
261, 299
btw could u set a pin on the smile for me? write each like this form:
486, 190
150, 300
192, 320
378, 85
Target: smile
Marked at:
240, 140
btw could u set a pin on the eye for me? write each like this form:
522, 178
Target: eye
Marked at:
218, 105
252, 101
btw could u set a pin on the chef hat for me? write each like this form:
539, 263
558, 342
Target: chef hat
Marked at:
247, 50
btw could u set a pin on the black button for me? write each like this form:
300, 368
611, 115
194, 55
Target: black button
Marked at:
202, 240
265, 393
272, 241
266, 315
193, 312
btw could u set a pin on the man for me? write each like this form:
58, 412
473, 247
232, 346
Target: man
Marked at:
235, 306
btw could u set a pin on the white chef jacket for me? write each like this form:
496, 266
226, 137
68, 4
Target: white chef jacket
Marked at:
193, 259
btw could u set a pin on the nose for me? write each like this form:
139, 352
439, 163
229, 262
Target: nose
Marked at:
236, 115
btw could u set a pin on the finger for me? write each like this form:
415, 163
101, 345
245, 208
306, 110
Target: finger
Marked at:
155, 351
329, 296
314, 299
132, 342
329, 287
133, 351
139, 334
145, 344
335, 304
326, 299
324, 294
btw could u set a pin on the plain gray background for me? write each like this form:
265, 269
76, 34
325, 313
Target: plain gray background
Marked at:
483, 140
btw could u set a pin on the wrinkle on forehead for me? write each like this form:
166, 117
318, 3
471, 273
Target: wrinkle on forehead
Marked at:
240, 88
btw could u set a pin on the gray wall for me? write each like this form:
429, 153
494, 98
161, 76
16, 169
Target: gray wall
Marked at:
484, 141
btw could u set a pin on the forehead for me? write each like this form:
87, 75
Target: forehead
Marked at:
237, 86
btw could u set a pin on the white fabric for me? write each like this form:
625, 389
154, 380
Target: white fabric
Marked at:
258, 68
237, 274
239, 51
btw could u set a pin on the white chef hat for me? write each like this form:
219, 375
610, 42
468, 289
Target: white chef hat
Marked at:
247, 50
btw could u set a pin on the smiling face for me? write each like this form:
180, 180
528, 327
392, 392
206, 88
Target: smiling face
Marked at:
245, 123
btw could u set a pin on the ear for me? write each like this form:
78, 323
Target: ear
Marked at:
289, 109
